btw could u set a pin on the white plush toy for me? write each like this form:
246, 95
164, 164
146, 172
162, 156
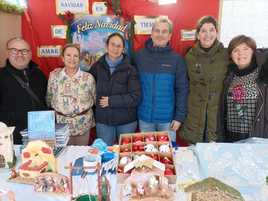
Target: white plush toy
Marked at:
7, 158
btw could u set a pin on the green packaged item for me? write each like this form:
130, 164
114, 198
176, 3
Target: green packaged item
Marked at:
87, 198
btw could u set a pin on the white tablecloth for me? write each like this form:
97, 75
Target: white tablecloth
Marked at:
187, 162
25, 192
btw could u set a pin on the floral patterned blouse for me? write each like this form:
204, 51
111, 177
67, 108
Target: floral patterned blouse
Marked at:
241, 103
72, 98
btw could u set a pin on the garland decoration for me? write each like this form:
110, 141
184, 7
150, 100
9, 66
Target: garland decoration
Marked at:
131, 35
116, 7
67, 18
10, 8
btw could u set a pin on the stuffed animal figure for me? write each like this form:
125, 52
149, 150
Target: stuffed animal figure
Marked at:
7, 156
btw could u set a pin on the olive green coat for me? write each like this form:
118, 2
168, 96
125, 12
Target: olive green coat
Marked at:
206, 74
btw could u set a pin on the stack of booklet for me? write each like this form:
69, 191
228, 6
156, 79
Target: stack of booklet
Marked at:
42, 126
59, 142
61, 136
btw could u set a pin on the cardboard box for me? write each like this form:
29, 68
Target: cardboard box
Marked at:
136, 144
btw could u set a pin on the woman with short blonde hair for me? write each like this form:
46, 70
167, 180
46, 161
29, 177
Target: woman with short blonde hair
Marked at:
71, 93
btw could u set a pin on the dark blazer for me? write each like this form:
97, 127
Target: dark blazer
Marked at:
15, 102
123, 89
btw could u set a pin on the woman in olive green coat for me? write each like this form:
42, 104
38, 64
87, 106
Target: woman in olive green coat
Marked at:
207, 65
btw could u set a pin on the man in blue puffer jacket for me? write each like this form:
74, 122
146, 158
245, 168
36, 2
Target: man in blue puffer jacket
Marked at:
164, 82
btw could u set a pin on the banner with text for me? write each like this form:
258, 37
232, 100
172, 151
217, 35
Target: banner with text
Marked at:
91, 33
73, 6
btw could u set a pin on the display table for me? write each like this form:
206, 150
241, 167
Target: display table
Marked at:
25, 192
192, 163
243, 166
69, 154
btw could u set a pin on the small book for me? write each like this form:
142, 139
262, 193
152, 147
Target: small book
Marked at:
41, 125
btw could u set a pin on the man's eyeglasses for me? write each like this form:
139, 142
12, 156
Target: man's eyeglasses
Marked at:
17, 51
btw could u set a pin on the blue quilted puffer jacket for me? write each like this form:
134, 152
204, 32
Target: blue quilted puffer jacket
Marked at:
164, 84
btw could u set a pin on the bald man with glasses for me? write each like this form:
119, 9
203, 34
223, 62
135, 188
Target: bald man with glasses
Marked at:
22, 86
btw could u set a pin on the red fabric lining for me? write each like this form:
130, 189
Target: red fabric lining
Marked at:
36, 25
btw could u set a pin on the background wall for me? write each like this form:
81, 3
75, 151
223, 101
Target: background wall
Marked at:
184, 15
42, 14
10, 26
